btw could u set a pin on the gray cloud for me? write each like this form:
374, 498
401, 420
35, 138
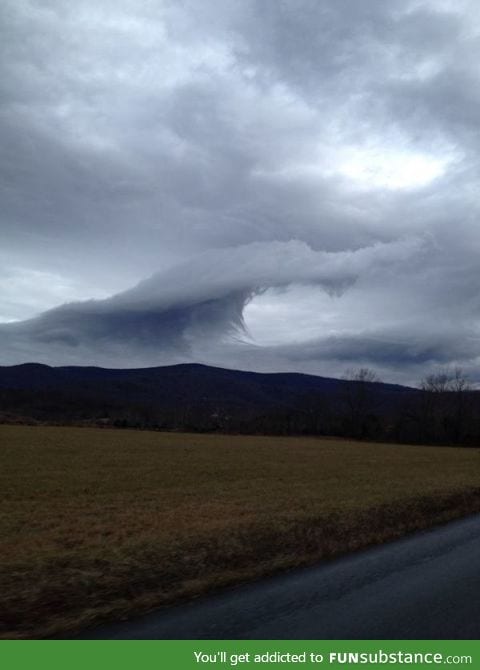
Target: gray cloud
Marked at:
175, 312
251, 157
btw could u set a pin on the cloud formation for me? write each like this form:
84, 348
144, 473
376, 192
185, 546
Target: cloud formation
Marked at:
175, 312
299, 180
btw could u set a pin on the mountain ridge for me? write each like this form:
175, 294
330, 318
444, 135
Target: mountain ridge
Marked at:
8, 371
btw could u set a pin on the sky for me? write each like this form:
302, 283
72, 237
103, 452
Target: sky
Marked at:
274, 185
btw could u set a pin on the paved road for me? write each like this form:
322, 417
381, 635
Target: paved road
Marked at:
426, 586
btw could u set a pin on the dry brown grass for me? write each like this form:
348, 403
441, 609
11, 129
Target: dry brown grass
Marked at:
97, 524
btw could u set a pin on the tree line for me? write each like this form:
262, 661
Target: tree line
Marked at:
443, 410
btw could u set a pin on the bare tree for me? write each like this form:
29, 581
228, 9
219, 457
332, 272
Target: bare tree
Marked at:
445, 406
366, 375
360, 401
436, 383
446, 381
457, 420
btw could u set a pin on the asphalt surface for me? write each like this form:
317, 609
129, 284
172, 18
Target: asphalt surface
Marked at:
425, 586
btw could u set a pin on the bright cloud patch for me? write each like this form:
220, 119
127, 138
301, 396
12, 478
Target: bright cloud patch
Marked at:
382, 168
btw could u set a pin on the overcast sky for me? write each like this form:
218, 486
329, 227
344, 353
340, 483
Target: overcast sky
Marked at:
264, 184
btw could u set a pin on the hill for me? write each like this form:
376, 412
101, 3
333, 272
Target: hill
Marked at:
187, 396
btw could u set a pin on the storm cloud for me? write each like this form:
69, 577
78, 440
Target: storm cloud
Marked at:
285, 184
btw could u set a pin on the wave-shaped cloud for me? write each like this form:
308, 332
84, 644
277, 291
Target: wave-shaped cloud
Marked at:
174, 312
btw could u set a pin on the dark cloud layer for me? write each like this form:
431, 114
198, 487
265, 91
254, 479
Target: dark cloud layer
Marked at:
299, 178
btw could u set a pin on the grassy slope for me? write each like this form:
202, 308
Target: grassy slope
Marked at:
100, 523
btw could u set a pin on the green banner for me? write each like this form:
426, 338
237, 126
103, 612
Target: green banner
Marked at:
221, 654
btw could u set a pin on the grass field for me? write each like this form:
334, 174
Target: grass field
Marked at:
97, 524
